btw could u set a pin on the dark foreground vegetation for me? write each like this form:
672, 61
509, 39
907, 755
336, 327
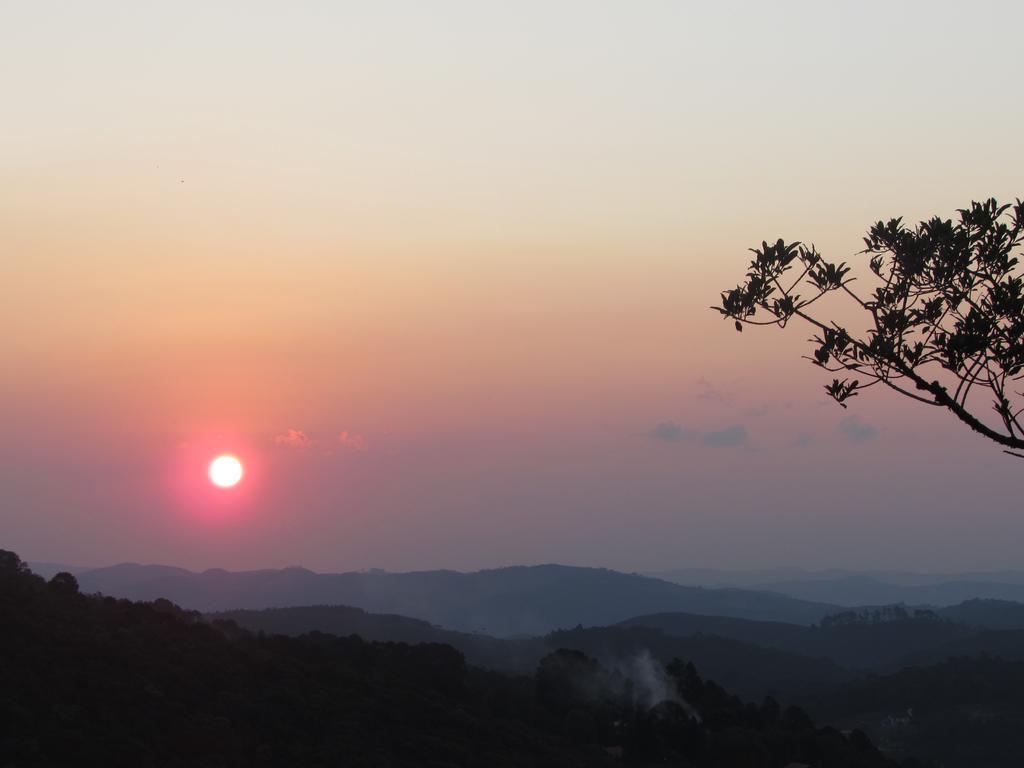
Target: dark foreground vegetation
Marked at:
964, 711
88, 680
916, 681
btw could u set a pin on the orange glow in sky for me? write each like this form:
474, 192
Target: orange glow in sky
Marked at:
431, 287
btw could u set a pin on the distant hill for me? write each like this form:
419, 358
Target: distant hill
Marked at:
49, 570
856, 646
503, 602
518, 655
748, 669
990, 614
860, 590
878, 647
341, 620
851, 588
1005, 644
754, 578
768, 634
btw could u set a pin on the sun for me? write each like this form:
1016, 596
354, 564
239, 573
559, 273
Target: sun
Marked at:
226, 471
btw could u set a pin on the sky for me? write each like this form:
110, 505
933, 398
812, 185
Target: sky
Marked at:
440, 274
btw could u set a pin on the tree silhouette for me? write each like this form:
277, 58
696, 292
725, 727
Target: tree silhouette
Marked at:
945, 313
64, 582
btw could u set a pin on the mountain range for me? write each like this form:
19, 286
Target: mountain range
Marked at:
855, 588
895, 673
503, 602
94, 680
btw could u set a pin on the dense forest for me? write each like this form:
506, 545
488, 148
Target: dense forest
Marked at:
964, 711
95, 680
742, 667
916, 681
752, 658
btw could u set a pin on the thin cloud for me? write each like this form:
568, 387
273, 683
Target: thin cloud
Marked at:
734, 435
708, 391
352, 440
857, 431
802, 441
670, 432
293, 438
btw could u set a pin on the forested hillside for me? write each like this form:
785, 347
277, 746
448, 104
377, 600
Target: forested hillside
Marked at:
100, 681
963, 712
746, 668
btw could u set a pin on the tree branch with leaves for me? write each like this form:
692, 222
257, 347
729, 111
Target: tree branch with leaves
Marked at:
944, 314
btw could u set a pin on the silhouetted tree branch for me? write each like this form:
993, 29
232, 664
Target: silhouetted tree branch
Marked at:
945, 315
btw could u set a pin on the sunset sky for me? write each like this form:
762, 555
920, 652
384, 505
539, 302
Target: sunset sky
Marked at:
440, 273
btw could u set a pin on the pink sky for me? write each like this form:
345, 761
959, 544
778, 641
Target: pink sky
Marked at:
481, 242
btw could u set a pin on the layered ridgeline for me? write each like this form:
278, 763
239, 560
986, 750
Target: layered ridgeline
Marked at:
960, 712
503, 602
855, 588
87, 680
745, 668
751, 657
875, 639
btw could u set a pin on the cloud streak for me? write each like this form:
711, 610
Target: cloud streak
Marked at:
734, 435
352, 440
857, 431
671, 432
293, 438
708, 391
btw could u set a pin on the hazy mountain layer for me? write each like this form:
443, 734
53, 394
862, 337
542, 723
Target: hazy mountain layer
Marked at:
748, 669
990, 614
851, 588
855, 646
738, 652
501, 602
519, 655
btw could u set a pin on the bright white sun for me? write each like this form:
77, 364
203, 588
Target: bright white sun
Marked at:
225, 471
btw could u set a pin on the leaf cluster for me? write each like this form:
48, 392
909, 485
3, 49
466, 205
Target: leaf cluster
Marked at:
944, 313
